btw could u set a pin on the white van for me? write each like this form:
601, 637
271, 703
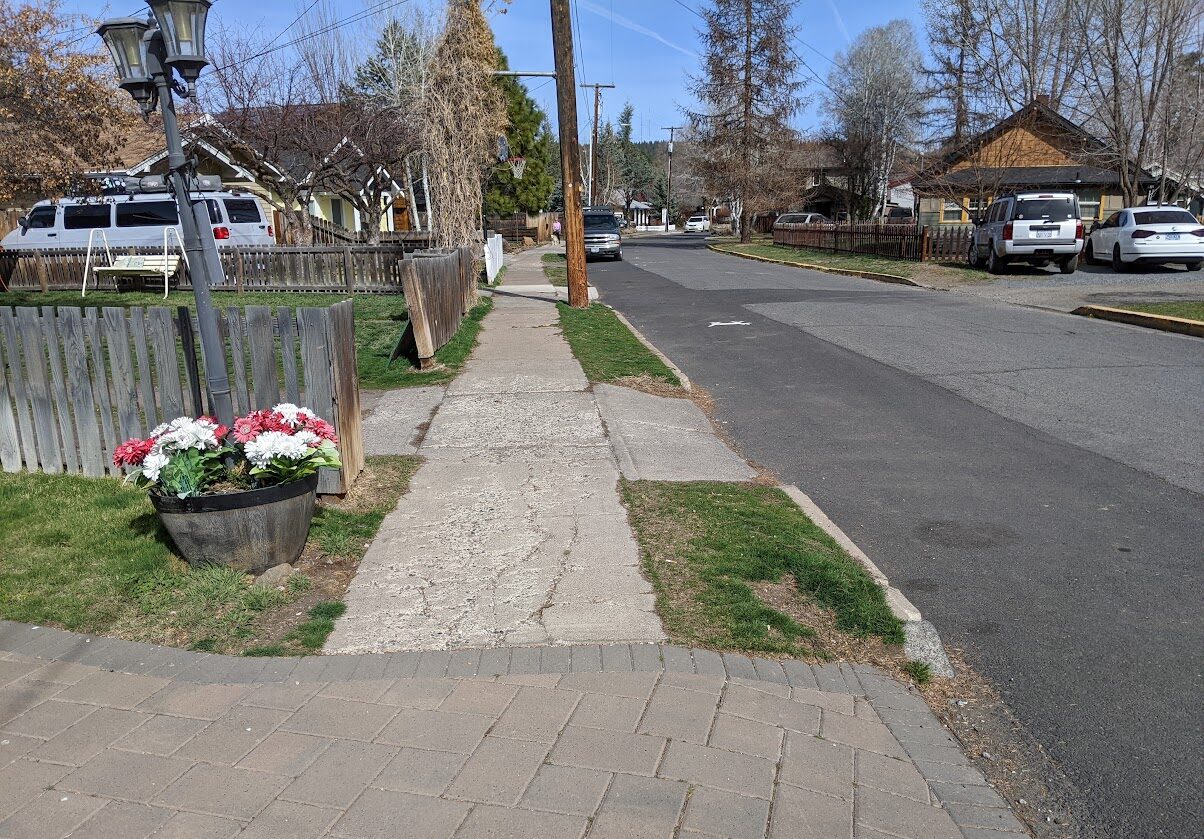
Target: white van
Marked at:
137, 220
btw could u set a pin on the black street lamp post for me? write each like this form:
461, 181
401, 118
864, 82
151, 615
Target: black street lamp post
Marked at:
147, 54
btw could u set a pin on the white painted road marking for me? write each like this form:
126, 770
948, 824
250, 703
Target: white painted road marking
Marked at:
729, 323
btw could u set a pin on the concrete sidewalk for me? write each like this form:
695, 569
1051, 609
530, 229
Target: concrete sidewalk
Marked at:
108, 739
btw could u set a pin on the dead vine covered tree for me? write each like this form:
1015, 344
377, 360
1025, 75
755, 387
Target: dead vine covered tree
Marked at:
463, 116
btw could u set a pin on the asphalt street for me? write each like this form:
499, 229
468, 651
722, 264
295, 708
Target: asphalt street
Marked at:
1031, 480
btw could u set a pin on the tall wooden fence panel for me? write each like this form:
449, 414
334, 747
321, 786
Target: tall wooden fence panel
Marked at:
76, 382
349, 268
440, 288
947, 244
899, 241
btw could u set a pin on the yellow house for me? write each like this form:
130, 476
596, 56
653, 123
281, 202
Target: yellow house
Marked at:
1033, 149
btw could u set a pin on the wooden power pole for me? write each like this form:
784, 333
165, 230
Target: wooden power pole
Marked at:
570, 154
593, 143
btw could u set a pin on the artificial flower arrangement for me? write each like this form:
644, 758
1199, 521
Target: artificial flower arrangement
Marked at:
188, 457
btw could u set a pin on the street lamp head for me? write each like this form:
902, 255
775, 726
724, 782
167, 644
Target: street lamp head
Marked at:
182, 23
125, 38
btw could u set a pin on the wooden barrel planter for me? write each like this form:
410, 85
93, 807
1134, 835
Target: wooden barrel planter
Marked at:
250, 531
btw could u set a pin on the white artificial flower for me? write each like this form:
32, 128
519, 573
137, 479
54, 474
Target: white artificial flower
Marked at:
272, 444
185, 433
160, 429
293, 414
308, 438
153, 465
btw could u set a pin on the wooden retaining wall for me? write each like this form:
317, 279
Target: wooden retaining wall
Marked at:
77, 382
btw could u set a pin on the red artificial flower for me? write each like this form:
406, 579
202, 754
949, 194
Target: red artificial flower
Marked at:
321, 428
132, 452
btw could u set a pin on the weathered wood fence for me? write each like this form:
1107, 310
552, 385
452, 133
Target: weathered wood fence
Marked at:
350, 268
440, 288
75, 383
897, 241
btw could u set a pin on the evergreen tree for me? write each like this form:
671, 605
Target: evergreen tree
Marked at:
529, 136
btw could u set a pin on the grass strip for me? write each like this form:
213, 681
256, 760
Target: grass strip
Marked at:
1190, 309
378, 324
89, 555
607, 349
826, 259
556, 268
706, 544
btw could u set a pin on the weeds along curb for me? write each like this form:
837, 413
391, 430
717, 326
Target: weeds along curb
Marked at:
682, 377
848, 272
1167, 323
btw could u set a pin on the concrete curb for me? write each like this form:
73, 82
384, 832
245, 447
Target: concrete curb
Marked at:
685, 380
1166, 323
847, 272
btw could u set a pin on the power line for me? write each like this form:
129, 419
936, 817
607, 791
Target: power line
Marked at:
296, 20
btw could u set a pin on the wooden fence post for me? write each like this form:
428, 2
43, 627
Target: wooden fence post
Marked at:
348, 271
419, 319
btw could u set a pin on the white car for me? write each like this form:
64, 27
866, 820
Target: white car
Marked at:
1157, 234
697, 224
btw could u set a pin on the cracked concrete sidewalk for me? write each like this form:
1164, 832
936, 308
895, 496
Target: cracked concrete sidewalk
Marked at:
513, 531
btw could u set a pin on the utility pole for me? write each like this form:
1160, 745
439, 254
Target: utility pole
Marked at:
672, 129
593, 143
570, 154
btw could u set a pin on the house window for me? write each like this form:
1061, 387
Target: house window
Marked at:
951, 212
1089, 203
336, 211
978, 206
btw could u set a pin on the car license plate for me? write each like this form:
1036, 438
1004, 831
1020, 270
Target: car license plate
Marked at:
1172, 237
594, 250
1043, 234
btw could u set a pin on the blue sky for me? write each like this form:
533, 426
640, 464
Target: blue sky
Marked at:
645, 47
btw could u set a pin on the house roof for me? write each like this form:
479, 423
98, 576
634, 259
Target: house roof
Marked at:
1037, 176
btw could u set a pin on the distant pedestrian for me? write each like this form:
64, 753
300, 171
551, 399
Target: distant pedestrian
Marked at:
556, 231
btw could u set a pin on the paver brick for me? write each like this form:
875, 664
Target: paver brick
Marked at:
716, 768
123, 820
22, 779
489, 822
799, 675
536, 714
476, 697
727, 814
426, 694
770, 671
368, 690
420, 772
935, 754
402, 665
432, 664
677, 659
616, 713
52, 813
763, 686
13, 746
840, 703
438, 730
160, 734
556, 660
20, 696
890, 775
498, 771
950, 773
126, 775
709, 663
587, 658
634, 685
693, 681
290, 820
229, 738
198, 826
804, 814
987, 818
903, 816
592, 748
525, 660
285, 753
863, 734
679, 714
736, 734
206, 702
646, 658
566, 789
339, 718
830, 677
339, 774
463, 663
739, 666
47, 719
381, 814
286, 697
981, 795
773, 710
639, 807
88, 737
616, 658
494, 662
818, 765
224, 791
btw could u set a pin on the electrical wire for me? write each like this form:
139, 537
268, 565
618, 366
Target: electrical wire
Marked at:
296, 20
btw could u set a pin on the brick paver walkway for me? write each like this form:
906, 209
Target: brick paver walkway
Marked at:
104, 738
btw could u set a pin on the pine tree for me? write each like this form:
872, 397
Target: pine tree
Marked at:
529, 136
748, 93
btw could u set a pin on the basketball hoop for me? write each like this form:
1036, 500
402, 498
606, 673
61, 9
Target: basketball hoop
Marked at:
517, 165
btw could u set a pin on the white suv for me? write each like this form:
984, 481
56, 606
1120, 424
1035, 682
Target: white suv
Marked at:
1033, 227
697, 224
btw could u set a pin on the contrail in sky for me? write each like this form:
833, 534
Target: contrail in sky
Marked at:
839, 21
633, 26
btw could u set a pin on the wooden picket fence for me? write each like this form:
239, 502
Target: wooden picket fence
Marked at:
348, 268
440, 288
75, 382
947, 244
897, 241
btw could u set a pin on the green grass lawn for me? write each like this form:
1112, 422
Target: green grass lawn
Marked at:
378, 323
607, 349
89, 555
1190, 309
556, 269
808, 256
705, 545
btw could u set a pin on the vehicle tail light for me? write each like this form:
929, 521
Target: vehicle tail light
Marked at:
1078, 230
271, 232
221, 233
1143, 234
1007, 232
1199, 231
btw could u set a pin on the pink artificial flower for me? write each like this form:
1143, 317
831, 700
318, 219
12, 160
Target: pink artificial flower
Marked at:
132, 452
321, 428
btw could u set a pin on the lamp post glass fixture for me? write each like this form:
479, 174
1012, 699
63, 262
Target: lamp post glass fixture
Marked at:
148, 54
